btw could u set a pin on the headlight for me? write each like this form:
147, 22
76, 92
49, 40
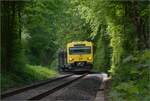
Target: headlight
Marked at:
70, 59
89, 58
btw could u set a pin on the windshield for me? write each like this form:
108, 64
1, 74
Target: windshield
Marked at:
80, 50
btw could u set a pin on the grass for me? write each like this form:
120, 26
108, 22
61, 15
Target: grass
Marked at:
25, 75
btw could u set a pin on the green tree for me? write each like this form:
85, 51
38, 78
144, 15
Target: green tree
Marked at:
46, 30
11, 47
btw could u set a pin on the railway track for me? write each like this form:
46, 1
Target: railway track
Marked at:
41, 90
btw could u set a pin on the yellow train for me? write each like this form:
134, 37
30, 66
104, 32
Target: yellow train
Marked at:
78, 56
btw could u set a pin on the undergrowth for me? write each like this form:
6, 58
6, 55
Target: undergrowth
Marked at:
131, 81
25, 75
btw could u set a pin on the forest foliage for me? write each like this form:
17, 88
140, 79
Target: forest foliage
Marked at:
121, 34
34, 31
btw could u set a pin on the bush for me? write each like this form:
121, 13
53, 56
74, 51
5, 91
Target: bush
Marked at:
131, 80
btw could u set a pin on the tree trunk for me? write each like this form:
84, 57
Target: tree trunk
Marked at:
139, 24
10, 35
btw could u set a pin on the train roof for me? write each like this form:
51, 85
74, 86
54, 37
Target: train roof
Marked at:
79, 42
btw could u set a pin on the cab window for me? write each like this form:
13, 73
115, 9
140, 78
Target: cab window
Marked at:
80, 50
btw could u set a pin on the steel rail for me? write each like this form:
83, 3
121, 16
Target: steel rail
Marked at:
40, 96
16, 91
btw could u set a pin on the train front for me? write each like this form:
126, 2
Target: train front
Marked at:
80, 56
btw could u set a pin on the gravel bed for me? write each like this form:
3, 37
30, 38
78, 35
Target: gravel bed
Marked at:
83, 90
